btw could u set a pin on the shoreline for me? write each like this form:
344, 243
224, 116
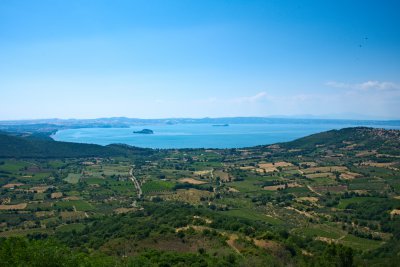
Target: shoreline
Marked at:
218, 138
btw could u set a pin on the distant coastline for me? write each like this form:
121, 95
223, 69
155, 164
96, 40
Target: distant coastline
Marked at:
50, 128
197, 135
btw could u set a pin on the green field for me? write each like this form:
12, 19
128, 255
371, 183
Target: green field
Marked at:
73, 178
80, 205
345, 202
157, 186
78, 227
361, 243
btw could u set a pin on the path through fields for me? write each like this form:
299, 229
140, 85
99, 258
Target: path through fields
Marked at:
136, 183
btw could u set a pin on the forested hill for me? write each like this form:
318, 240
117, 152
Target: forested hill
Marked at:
29, 147
363, 137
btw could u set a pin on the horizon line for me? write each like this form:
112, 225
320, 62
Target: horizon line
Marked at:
294, 117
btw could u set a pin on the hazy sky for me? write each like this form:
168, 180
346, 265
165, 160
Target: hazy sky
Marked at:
147, 59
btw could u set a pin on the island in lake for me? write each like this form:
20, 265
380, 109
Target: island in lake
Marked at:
220, 125
144, 131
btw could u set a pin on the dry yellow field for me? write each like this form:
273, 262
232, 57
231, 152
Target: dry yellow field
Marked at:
271, 167
233, 190
191, 181
320, 175
378, 164
200, 173
223, 175
366, 153
260, 170
349, 175
310, 199
276, 164
309, 163
56, 195
395, 212
20, 206
12, 185
325, 169
191, 195
281, 186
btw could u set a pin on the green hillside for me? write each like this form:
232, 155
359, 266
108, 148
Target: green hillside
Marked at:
329, 199
30, 147
368, 138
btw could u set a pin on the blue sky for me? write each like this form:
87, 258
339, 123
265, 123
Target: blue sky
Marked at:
157, 59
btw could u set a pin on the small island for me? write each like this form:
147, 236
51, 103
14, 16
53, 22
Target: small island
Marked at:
220, 125
144, 131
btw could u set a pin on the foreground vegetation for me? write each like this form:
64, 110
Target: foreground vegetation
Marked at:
330, 199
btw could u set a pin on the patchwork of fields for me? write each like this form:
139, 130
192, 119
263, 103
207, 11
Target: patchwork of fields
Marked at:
339, 193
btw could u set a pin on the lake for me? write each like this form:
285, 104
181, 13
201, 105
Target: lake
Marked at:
201, 135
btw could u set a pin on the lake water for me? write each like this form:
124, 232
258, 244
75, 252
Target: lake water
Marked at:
201, 135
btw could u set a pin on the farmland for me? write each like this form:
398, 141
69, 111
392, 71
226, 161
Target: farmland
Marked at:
285, 204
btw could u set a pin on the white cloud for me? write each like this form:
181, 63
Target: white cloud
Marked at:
251, 99
368, 85
337, 84
378, 85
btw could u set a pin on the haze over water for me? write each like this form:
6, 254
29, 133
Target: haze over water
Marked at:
202, 135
